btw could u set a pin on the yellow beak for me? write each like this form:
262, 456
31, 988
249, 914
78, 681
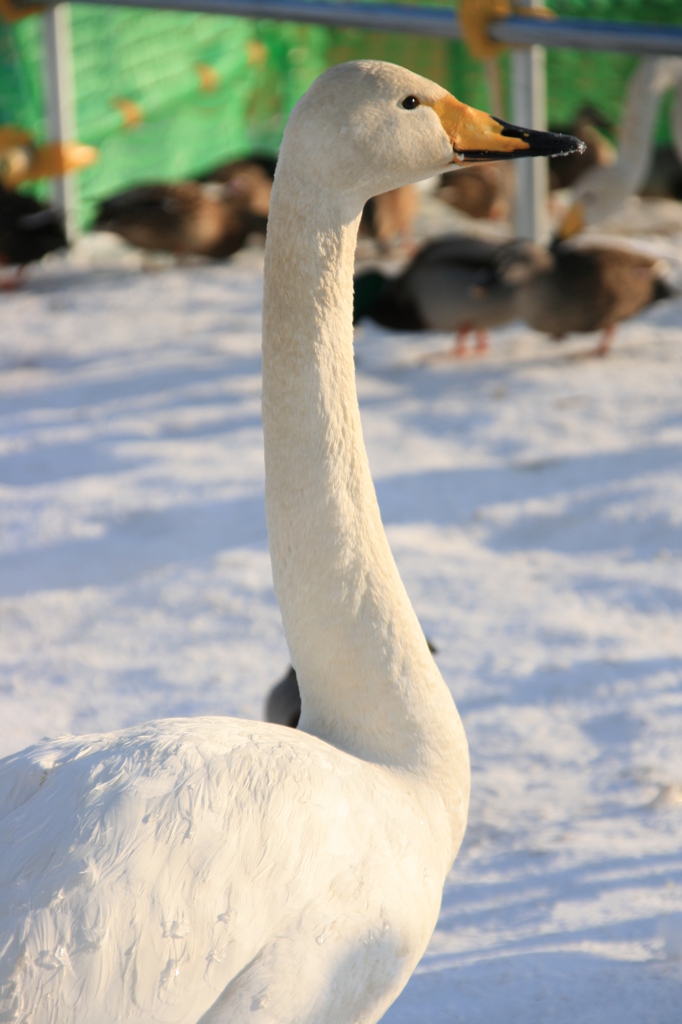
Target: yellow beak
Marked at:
21, 160
572, 223
58, 158
15, 164
477, 136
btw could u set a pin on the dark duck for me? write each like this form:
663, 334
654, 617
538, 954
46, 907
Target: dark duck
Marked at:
28, 231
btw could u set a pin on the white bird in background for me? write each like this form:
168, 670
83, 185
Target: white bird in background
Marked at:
218, 870
601, 191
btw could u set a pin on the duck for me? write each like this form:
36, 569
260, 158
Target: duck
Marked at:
591, 289
388, 218
255, 161
589, 125
188, 218
28, 231
481, 192
484, 192
456, 283
250, 181
602, 190
283, 702
221, 870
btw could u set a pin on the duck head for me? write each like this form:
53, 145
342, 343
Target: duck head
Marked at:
371, 126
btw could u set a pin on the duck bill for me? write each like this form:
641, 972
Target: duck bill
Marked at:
477, 137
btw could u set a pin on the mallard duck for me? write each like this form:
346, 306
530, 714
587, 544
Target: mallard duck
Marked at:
388, 218
591, 289
225, 172
457, 284
191, 218
481, 192
220, 870
589, 126
283, 703
485, 191
28, 231
250, 181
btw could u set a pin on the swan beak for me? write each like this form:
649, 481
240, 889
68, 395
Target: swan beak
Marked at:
573, 222
477, 136
15, 164
58, 158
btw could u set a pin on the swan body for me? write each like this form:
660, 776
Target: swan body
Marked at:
214, 870
155, 873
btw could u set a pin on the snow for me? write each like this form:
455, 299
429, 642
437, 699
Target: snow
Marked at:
534, 504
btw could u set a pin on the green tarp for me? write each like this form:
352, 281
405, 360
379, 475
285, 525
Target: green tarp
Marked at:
167, 95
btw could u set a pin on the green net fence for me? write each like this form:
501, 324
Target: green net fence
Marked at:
166, 96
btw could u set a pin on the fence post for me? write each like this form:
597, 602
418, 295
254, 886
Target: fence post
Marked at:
61, 105
529, 108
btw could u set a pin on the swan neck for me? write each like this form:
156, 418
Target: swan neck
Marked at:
368, 681
653, 77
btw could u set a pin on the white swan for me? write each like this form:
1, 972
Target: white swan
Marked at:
217, 870
600, 191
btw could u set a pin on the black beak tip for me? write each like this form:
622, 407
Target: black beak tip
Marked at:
541, 143
566, 144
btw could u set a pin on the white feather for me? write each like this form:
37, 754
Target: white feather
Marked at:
219, 870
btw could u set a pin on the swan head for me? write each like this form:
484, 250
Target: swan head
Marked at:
366, 127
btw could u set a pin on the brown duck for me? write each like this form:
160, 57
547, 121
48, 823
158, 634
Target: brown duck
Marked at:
192, 218
455, 283
599, 151
590, 289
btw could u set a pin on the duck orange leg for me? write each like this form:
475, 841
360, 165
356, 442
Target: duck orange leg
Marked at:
482, 343
604, 346
460, 349
11, 284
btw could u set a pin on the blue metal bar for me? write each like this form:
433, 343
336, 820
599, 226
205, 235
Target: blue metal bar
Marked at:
582, 34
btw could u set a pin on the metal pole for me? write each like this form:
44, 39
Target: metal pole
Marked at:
529, 108
580, 33
60, 105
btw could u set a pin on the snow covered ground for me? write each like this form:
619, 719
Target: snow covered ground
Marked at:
534, 505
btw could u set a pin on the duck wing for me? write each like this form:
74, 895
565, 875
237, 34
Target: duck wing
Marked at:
588, 290
453, 283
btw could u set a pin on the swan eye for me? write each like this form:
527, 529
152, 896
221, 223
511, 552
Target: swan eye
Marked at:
410, 102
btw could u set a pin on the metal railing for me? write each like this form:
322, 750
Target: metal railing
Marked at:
442, 22
526, 34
